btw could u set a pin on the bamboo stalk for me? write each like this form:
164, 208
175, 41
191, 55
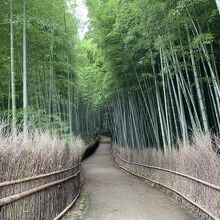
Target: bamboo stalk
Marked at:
25, 86
13, 90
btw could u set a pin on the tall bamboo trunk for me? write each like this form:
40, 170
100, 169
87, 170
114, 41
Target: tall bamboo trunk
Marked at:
25, 90
70, 103
13, 91
51, 81
198, 89
167, 126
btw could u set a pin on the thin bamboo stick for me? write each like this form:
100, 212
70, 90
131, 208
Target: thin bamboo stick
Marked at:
67, 208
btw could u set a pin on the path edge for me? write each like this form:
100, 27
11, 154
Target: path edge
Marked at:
191, 207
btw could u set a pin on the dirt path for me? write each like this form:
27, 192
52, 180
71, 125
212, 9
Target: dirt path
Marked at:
114, 195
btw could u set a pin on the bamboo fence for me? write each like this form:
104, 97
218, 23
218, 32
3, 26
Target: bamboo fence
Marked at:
198, 196
42, 197
39, 197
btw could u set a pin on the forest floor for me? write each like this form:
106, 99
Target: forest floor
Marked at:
115, 195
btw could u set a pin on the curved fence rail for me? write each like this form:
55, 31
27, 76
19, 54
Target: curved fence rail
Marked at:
13, 182
41, 197
206, 212
172, 171
10, 204
16, 197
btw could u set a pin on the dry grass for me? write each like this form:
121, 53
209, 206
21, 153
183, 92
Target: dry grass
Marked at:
197, 159
39, 153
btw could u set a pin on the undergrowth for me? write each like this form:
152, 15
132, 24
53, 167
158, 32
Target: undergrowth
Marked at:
198, 159
37, 153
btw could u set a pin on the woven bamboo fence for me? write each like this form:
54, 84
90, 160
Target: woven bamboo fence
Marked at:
39, 197
199, 197
43, 197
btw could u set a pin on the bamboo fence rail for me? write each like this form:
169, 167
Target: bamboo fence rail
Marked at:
172, 171
13, 182
204, 212
16, 197
69, 184
41, 197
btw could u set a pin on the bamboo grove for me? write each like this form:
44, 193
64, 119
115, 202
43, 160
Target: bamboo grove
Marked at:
39, 61
161, 59
147, 69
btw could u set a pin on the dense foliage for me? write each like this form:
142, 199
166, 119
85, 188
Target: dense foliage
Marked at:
162, 57
149, 67
40, 42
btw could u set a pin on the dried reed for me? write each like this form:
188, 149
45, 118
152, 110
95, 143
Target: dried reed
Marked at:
197, 159
38, 153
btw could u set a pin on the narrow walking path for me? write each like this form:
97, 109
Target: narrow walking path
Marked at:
114, 195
